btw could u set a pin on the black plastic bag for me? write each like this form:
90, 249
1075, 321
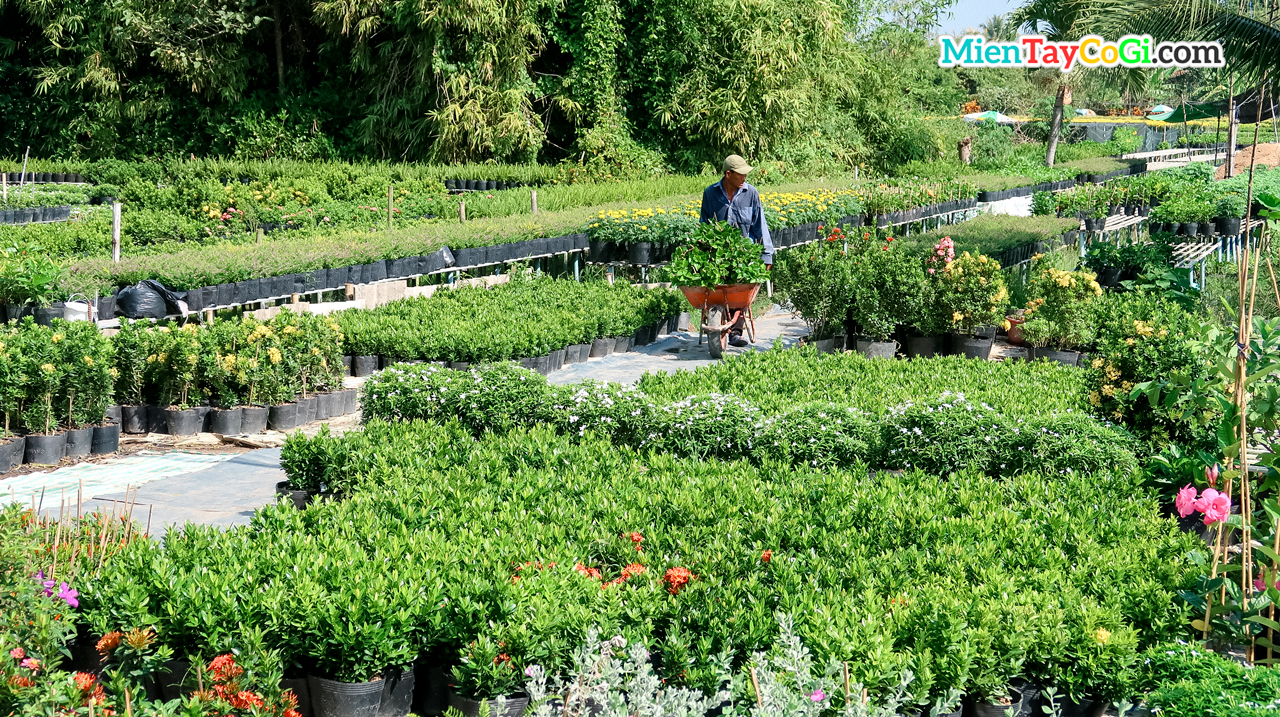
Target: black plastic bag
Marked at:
149, 300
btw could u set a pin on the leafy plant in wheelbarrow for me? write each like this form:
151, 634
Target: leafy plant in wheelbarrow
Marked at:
718, 254
720, 272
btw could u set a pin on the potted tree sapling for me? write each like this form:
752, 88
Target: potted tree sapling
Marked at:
12, 391
223, 375
45, 443
178, 361
971, 293
1058, 319
133, 345
87, 387
488, 672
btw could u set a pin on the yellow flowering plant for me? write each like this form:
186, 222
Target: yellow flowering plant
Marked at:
12, 377
972, 292
86, 357
1059, 311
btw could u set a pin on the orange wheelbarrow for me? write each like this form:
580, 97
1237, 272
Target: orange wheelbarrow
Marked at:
722, 307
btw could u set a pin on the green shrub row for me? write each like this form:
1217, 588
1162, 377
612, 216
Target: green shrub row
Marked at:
450, 546
525, 317
54, 377
935, 433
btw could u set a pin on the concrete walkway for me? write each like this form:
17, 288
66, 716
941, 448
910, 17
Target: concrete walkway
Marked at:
679, 351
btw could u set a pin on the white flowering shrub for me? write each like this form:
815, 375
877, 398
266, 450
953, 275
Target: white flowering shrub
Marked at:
715, 424
821, 435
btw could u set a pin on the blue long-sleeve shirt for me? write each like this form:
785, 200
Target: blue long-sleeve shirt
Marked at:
744, 211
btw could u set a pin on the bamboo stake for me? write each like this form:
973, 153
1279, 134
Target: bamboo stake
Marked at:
756, 684
847, 696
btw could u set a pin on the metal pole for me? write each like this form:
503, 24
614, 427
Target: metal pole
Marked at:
115, 232
577, 275
22, 180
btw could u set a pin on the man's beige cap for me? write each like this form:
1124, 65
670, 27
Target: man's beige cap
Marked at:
734, 163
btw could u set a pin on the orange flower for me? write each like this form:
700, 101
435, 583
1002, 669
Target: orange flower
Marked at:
244, 699
20, 681
592, 573
766, 556
223, 668
84, 681
633, 569
676, 578
109, 642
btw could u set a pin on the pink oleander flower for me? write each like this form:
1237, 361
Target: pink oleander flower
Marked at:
1216, 506
818, 696
1186, 501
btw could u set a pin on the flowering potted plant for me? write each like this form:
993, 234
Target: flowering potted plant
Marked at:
42, 366
12, 392
488, 672
887, 291
814, 282
928, 324
1058, 318
972, 293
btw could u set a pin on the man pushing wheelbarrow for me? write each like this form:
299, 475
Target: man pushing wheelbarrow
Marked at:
721, 269
735, 201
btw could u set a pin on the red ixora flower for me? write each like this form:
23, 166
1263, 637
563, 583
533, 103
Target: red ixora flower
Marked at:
592, 573
636, 538
676, 578
766, 556
223, 668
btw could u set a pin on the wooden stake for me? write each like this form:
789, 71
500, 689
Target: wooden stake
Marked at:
293, 298
390, 202
533, 200
208, 316
128, 703
350, 290
756, 684
847, 696
462, 211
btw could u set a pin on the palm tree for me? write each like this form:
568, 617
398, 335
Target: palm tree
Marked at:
1058, 21
997, 28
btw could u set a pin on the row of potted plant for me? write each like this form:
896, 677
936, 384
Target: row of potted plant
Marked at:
526, 318
56, 387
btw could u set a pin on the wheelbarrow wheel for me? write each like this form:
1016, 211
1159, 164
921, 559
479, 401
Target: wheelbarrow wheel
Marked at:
717, 332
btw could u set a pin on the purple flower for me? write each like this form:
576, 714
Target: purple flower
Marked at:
818, 696
68, 595
528, 671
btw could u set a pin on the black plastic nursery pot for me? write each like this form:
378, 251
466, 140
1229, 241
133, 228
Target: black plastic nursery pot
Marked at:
11, 452
133, 419
971, 346
557, 359
602, 347
225, 421
832, 345
577, 353
601, 251
1190, 229
922, 346
299, 498
640, 252
1066, 358
328, 405
516, 705
45, 450
460, 365
1228, 226
986, 709
183, 422
397, 693
46, 314
306, 410
283, 416
79, 442
542, 364
106, 439
346, 364
345, 699
253, 419
623, 344
364, 366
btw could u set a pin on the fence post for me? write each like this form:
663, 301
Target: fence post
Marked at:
115, 232
390, 202
462, 211
533, 200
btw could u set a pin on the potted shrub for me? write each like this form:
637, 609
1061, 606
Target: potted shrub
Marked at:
12, 392
971, 292
132, 345
86, 357
1058, 319
927, 326
1229, 209
999, 640
178, 360
1104, 259
487, 672
45, 443
814, 282
1095, 667
887, 290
